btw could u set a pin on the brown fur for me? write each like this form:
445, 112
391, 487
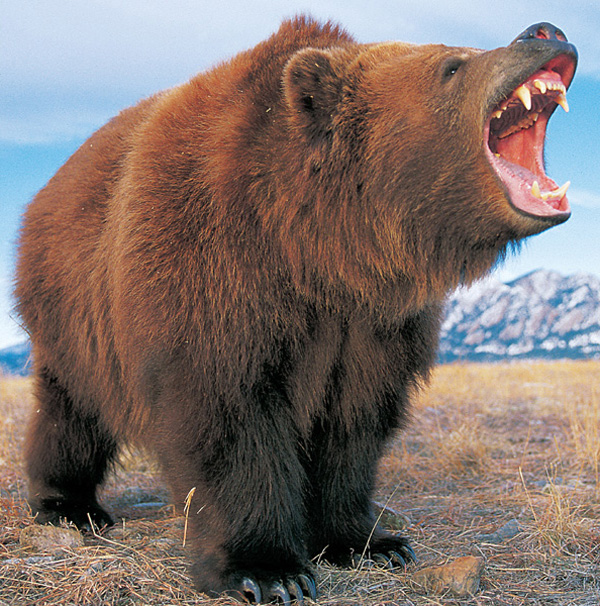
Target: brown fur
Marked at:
245, 275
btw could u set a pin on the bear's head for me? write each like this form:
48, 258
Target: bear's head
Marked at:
427, 160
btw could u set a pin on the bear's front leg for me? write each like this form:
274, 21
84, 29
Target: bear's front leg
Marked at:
376, 370
246, 519
341, 518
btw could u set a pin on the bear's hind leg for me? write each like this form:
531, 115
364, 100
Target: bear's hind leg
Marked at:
68, 452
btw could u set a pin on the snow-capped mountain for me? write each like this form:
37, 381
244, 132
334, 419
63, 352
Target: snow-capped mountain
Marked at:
540, 315
14, 360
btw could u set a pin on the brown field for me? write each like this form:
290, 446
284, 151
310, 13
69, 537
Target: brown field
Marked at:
488, 444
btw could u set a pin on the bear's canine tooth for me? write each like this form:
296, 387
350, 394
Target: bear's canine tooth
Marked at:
562, 101
561, 191
497, 114
557, 194
524, 95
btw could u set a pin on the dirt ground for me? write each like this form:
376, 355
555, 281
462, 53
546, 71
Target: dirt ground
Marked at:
500, 462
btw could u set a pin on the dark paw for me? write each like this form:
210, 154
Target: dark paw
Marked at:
390, 553
385, 551
56, 511
292, 590
388, 560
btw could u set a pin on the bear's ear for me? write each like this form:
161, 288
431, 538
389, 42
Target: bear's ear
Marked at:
312, 90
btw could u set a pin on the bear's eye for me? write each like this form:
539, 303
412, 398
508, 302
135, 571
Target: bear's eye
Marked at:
450, 67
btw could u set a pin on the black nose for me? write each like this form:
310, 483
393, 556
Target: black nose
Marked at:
543, 31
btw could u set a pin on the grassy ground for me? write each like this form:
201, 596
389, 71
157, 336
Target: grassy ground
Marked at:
488, 444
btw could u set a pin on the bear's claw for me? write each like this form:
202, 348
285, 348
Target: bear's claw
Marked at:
408, 553
295, 592
397, 559
292, 591
279, 594
400, 557
383, 561
308, 585
250, 586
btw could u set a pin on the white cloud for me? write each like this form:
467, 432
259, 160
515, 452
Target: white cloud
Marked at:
583, 197
67, 67
124, 43
37, 128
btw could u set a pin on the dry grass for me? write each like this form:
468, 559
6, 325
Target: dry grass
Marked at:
488, 444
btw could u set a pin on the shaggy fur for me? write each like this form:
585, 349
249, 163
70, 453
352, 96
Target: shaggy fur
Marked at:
245, 274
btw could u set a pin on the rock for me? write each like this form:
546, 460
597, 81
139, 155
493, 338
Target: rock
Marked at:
390, 518
32, 561
150, 506
459, 578
508, 531
49, 538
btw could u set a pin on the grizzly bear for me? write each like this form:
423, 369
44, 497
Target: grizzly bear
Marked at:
245, 274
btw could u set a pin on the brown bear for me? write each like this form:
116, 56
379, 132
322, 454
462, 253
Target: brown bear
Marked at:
245, 273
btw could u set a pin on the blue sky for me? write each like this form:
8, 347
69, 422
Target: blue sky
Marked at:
67, 67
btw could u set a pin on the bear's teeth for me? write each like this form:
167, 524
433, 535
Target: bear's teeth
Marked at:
546, 86
562, 101
557, 86
526, 122
524, 95
535, 190
557, 194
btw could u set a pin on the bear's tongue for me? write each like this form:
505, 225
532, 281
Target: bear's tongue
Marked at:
515, 134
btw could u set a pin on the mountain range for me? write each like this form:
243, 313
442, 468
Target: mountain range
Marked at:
540, 315
14, 360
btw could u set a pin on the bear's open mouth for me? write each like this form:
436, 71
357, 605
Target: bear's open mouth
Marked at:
515, 133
